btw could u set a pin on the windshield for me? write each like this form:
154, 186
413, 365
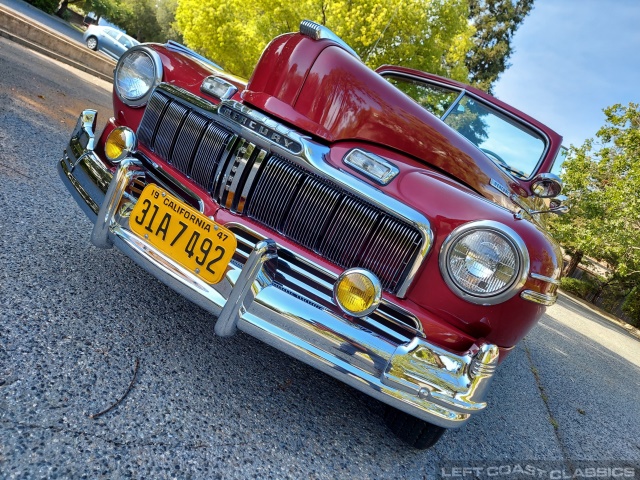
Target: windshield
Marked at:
511, 145
558, 162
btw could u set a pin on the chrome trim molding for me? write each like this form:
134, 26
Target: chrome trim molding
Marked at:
376, 286
501, 188
320, 32
506, 233
157, 63
261, 125
415, 376
537, 297
542, 278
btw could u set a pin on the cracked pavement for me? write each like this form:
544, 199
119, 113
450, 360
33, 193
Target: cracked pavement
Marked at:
73, 320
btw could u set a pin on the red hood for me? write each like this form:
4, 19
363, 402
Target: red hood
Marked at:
322, 89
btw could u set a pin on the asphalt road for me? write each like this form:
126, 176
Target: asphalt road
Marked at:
59, 26
49, 21
74, 319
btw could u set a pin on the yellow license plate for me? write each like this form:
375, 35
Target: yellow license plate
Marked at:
182, 233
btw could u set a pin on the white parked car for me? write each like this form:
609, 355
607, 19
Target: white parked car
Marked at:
111, 41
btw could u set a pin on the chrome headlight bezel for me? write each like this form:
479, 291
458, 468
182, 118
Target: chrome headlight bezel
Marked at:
139, 100
505, 233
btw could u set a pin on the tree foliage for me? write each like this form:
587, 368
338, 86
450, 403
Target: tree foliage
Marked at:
48, 6
166, 16
145, 20
431, 35
602, 182
138, 19
101, 8
495, 22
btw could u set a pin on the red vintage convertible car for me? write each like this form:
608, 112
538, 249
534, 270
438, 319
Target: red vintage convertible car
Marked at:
384, 227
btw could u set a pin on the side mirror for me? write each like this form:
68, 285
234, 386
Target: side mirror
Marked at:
546, 185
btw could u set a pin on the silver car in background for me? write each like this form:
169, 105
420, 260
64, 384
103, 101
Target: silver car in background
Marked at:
111, 41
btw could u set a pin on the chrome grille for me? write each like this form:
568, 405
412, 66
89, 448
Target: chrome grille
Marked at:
313, 284
278, 193
184, 138
187, 141
273, 192
169, 129
152, 115
208, 154
341, 228
347, 232
310, 212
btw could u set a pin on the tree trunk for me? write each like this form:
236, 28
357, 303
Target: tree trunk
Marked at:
63, 8
573, 263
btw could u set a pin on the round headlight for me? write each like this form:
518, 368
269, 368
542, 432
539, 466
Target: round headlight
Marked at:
138, 71
357, 292
484, 262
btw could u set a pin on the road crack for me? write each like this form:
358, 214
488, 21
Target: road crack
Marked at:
545, 400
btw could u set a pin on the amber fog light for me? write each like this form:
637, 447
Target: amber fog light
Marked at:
357, 292
120, 143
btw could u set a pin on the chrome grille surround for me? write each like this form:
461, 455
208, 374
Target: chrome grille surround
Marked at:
248, 165
314, 285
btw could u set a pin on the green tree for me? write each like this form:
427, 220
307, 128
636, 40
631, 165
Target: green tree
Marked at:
431, 35
602, 182
48, 6
102, 8
495, 22
138, 19
166, 15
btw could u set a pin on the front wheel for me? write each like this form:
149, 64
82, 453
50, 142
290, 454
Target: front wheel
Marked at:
417, 433
92, 43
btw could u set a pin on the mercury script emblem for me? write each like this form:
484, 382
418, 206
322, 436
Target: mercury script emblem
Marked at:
260, 128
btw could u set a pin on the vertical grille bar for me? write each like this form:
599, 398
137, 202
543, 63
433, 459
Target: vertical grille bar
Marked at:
388, 253
177, 134
187, 141
213, 144
273, 192
151, 118
350, 227
310, 212
168, 130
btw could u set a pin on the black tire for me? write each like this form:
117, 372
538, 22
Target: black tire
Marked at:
411, 430
92, 43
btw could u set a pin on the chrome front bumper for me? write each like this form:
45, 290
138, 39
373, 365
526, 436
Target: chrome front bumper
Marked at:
416, 376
